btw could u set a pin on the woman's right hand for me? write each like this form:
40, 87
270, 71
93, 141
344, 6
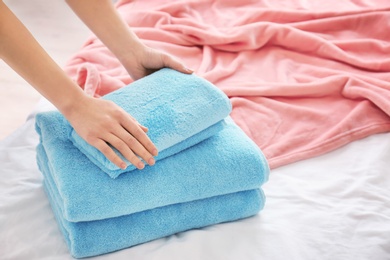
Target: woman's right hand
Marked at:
101, 122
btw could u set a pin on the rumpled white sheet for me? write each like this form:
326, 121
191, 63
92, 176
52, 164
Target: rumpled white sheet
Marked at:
335, 206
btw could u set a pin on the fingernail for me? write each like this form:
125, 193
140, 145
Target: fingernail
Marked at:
188, 70
123, 166
151, 161
140, 165
155, 152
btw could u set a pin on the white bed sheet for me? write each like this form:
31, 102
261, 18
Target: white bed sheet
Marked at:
336, 206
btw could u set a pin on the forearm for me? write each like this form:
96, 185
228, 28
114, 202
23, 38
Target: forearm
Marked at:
103, 19
22, 52
138, 59
98, 121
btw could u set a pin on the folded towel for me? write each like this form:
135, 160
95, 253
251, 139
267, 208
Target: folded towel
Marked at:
93, 238
90, 238
207, 172
174, 106
224, 163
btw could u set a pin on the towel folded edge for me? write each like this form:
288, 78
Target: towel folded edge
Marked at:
255, 199
187, 143
221, 102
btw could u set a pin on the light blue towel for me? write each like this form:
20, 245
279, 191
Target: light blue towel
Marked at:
209, 176
225, 163
93, 238
174, 106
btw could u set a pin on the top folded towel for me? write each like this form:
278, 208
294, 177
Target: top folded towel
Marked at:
176, 107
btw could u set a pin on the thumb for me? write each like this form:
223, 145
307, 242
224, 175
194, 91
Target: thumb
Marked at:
172, 63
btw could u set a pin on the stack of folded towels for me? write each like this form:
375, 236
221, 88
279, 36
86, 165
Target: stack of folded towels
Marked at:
207, 171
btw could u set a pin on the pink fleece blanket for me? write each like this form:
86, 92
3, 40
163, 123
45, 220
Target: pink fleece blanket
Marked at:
304, 77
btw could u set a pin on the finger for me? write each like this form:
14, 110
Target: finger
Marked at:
105, 149
126, 150
135, 146
172, 63
144, 128
136, 131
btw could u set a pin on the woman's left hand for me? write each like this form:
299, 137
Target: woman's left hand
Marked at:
145, 61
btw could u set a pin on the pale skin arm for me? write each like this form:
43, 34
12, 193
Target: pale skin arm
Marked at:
98, 121
102, 18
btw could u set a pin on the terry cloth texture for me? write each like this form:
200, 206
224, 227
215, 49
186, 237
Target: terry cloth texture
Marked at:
215, 177
180, 110
224, 163
304, 77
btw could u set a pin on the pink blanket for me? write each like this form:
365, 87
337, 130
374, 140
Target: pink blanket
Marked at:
304, 77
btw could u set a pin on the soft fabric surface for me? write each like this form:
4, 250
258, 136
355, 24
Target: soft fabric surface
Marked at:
335, 206
93, 238
304, 77
226, 162
216, 180
180, 110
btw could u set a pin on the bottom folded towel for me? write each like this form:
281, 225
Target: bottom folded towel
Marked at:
93, 238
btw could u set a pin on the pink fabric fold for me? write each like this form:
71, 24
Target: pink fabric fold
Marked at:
304, 77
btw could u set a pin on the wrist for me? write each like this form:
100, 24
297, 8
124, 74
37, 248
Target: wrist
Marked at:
131, 53
71, 102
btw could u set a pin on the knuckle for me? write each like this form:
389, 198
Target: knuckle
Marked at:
122, 147
89, 138
106, 150
145, 155
139, 134
117, 113
110, 102
116, 160
106, 123
131, 141
134, 159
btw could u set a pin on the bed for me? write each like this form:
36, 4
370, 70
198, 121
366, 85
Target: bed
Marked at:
327, 194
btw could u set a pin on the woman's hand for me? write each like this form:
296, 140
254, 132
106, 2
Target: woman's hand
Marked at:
143, 61
100, 123
139, 60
